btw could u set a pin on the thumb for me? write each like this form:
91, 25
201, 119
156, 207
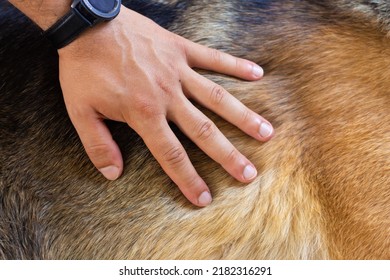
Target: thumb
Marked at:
99, 145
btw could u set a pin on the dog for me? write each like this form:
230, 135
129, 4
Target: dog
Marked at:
323, 190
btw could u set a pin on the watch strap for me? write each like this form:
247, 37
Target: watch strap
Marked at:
65, 30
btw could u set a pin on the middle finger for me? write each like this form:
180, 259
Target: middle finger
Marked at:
204, 133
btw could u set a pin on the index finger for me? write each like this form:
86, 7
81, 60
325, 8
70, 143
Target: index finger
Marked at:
211, 59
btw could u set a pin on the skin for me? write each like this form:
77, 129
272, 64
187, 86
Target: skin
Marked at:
143, 76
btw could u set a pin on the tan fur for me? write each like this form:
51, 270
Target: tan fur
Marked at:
323, 189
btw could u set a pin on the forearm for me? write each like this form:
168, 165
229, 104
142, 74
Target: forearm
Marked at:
43, 12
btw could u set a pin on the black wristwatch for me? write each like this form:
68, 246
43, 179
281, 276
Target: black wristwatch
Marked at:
83, 14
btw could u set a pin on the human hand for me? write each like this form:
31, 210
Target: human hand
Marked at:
132, 70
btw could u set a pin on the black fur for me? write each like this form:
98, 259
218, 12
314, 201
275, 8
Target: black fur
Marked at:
41, 158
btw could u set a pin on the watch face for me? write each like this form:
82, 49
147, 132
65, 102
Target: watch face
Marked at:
104, 9
104, 6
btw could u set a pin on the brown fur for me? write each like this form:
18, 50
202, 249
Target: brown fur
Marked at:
324, 184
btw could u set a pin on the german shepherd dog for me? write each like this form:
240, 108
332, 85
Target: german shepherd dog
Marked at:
324, 186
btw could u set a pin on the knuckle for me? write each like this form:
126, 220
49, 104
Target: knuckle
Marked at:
232, 156
245, 116
146, 109
167, 87
216, 56
217, 94
182, 45
194, 183
99, 153
205, 130
237, 64
174, 156
77, 111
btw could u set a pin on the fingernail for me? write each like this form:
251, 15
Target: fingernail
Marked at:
110, 172
265, 129
204, 199
249, 172
257, 71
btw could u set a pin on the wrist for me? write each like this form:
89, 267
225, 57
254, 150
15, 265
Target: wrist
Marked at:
97, 38
43, 12
82, 16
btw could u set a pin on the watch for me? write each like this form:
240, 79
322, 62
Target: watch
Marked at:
83, 14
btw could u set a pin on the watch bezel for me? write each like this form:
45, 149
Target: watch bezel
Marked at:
96, 13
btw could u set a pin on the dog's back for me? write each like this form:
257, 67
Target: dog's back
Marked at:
324, 184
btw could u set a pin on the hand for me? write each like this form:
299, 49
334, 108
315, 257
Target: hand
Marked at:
132, 70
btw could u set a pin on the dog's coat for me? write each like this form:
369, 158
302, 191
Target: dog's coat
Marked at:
324, 184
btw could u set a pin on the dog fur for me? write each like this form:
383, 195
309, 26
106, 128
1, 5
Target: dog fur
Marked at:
323, 190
